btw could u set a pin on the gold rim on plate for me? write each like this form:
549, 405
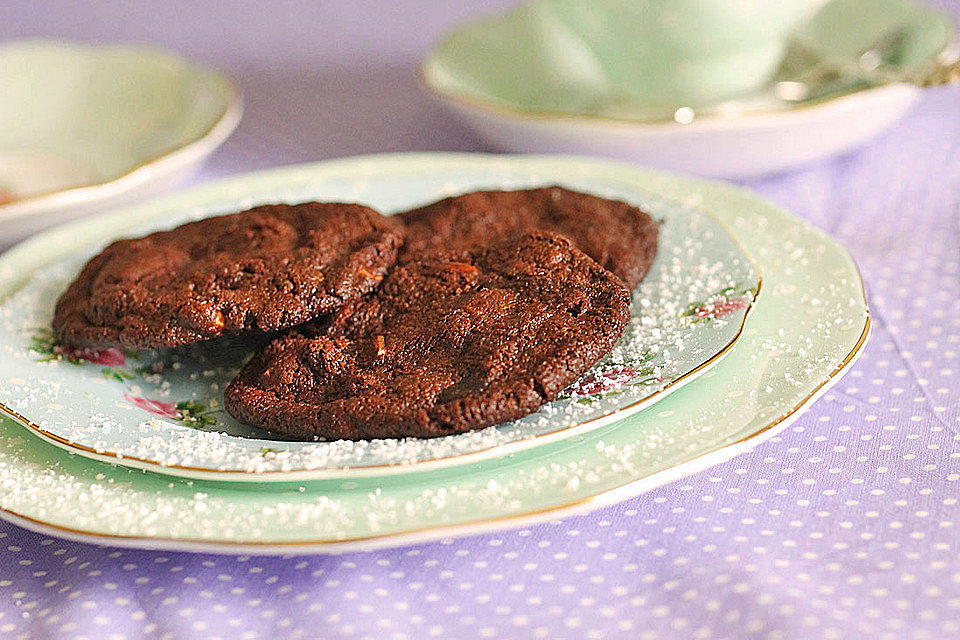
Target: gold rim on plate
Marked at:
462, 528
503, 449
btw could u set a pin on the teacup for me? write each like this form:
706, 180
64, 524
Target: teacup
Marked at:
673, 53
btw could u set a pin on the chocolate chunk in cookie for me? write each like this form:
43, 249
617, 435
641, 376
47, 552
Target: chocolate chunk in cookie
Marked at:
620, 237
265, 269
451, 341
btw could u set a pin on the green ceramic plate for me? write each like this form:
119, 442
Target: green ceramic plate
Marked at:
804, 330
163, 411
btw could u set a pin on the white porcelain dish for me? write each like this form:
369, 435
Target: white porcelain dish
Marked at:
743, 147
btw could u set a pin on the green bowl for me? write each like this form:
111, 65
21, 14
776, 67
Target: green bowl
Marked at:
84, 127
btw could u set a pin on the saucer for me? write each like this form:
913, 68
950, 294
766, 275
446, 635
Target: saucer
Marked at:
540, 108
84, 128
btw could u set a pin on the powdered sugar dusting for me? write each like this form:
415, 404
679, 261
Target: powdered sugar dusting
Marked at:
166, 407
808, 323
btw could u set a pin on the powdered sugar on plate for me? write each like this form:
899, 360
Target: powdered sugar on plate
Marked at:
163, 410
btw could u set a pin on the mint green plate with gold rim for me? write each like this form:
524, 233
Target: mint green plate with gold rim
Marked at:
805, 329
163, 411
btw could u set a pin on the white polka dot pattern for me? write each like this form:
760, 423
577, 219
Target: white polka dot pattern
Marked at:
844, 526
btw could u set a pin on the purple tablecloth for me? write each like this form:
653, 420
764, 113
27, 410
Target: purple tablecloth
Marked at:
845, 526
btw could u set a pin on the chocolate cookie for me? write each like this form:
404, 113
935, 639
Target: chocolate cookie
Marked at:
617, 235
452, 341
268, 268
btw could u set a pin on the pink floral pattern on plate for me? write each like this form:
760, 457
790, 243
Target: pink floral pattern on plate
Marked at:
115, 366
610, 382
165, 409
109, 357
603, 381
720, 308
723, 303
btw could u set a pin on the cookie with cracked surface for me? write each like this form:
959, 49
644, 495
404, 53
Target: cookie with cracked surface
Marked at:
268, 268
450, 342
619, 236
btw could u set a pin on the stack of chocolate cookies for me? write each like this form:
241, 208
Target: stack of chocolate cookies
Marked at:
466, 313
